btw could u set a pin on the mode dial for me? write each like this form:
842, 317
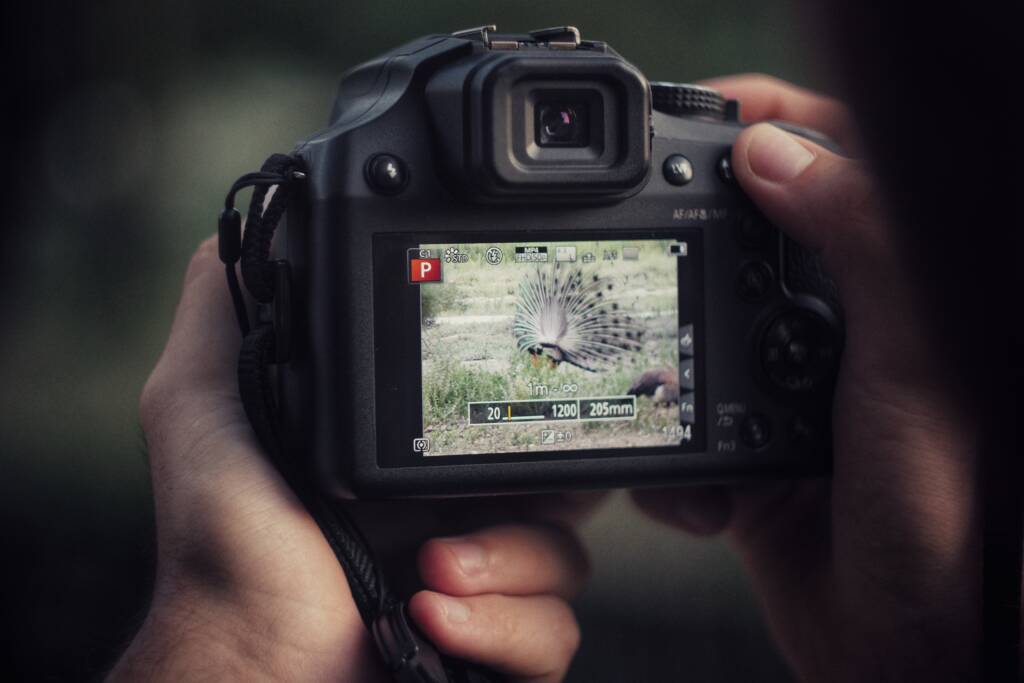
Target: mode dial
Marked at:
684, 99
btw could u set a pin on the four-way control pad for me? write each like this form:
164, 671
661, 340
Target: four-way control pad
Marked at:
799, 351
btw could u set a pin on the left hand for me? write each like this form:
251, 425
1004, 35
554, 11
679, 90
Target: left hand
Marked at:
246, 585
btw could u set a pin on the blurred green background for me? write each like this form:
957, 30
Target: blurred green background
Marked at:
134, 118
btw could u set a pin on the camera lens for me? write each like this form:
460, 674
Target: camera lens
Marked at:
562, 125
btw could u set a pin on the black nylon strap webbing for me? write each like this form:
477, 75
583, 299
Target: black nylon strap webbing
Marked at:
257, 271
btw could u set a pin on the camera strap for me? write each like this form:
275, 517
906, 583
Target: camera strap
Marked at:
409, 656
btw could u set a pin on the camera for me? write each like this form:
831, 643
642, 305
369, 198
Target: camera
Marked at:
514, 264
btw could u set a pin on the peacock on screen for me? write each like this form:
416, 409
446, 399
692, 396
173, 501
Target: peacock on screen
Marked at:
552, 346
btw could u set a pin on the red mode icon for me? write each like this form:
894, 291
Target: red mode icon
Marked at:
425, 270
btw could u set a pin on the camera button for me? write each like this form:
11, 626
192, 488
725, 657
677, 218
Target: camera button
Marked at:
799, 352
387, 174
724, 167
686, 372
754, 281
801, 431
686, 341
756, 430
687, 410
677, 169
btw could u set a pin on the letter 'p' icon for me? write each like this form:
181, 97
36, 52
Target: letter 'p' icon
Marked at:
425, 270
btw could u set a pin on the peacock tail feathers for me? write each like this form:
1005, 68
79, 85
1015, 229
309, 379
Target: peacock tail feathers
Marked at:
571, 318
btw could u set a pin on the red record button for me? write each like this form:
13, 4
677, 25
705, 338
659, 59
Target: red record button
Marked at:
425, 270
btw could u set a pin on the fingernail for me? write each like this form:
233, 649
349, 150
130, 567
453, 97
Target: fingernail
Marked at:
775, 156
455, 611
471, 557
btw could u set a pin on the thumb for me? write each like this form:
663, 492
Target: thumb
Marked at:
826, 202
829, 204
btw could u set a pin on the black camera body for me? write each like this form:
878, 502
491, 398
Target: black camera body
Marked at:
515, 265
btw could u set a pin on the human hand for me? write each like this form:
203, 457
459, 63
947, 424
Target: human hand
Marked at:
874, 574
246, 585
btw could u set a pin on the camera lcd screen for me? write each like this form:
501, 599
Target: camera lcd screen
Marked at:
556, 345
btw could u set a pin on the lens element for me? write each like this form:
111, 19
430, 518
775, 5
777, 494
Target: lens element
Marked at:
562, 125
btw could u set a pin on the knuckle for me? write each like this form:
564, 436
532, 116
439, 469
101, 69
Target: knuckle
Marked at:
152, 396
156, 401
840, 110
775, 88
761, 79
162, 401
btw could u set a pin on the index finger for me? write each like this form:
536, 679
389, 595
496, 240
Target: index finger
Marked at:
764, 98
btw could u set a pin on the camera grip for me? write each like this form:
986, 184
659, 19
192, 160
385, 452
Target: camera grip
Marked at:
804, 274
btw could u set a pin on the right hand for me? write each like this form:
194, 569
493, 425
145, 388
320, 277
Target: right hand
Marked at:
874, 574
247, 586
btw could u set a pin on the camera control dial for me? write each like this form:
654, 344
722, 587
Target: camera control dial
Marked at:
684, 99
798, 351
